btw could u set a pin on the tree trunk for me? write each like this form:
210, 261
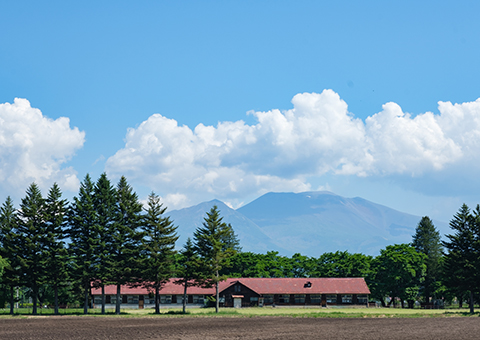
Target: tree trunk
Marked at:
103, 298
35, 296
56, 300
460, 302
117, 305
185, 297
12, 299
427, 294
471, 302
85, 303
402, 303
157, 300
217, 295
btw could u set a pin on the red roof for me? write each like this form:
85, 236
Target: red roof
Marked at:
262, 286
351, 285
169, 289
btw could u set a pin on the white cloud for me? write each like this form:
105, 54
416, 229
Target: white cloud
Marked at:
317, 136
34, 147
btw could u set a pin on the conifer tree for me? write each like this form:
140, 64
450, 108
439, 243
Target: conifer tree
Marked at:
426, 240
462, 259
125, 246
188, 269
56, 254
104, 202
9, 248
84, 238
158, 244
31, 230
210, 245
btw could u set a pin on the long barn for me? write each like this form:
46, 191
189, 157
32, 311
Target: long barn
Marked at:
246, 292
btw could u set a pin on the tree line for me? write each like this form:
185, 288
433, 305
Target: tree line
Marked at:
104, 237
58, 251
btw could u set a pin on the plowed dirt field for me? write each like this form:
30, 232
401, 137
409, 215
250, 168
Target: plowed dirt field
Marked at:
100, 328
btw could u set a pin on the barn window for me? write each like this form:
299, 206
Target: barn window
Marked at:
331, 298
268, 298
97, 299
132, 299
198, 299
113, 299
179, 298
237, 288
299, 298
316, 298
347, 298
284, 298
165, 299
362, 298
148, 300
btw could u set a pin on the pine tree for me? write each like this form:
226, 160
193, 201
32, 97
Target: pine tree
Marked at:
104, 202
55, 252
84, 238
188, 269
125, 246
31, 230
210, 245
9, 248
462, 259
426, 240
158, 244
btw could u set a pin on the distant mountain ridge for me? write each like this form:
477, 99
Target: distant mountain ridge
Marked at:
309, 223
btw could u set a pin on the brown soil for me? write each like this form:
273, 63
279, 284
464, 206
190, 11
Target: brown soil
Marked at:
97, 328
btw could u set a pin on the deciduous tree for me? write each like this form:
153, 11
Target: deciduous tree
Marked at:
399, 270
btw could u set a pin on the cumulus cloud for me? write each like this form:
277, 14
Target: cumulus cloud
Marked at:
284, 148
34, 147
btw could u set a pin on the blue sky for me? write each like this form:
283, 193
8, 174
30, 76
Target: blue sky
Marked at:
229, 100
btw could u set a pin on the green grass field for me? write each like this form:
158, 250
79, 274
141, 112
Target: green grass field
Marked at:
266, 311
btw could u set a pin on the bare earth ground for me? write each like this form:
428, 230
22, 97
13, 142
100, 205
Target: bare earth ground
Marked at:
100, 328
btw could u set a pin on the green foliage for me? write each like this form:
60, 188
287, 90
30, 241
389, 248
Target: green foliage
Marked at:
55, 253
104, 200
84, 239
188, 269
462, 260
3, 264
398, 271
426, 240
124, 246
10, 250
212, 242
342, 264
32, 231
158, 243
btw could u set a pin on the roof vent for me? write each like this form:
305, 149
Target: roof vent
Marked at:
307, 285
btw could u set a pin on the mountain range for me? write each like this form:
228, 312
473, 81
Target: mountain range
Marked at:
309, 223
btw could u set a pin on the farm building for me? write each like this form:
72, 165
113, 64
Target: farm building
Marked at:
243, 292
